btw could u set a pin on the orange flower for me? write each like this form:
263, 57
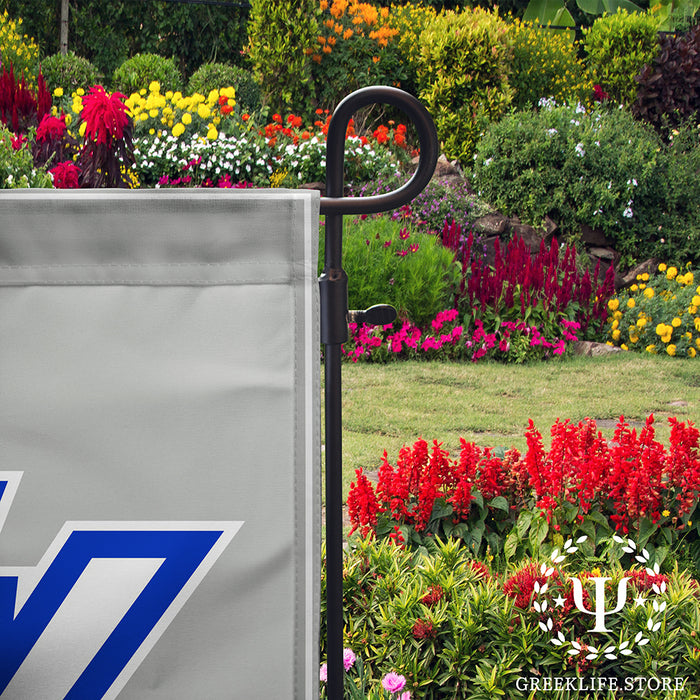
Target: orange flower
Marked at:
245, 117
338, 8
348, 33
327, 49
323, 5
332, 40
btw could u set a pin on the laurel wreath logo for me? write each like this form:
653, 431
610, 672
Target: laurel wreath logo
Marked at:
613, 651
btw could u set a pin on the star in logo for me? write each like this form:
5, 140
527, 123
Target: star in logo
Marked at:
639, 601
559, 601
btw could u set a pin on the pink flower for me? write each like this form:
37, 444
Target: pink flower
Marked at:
323, 673
51, 128
393, 682
405, 696
105, 115
65, 175
348, 659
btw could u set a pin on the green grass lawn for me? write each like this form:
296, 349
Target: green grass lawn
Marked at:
387, 406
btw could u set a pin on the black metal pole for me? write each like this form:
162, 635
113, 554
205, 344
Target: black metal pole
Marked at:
333, 285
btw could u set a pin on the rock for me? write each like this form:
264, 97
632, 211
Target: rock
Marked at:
602, 253
531, 236
588, 348
446, 169
492, 225
648, 266
593, 236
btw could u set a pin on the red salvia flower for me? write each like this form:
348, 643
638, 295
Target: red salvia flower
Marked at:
65, 175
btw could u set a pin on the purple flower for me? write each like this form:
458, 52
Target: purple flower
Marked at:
393, 682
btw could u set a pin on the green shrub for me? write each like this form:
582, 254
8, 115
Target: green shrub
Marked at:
388, 263
463, 72
214, 76
139, 71
281, 37
598, 169
546, 64
669, 87
69, 72
18, 49
617, 48
17, 169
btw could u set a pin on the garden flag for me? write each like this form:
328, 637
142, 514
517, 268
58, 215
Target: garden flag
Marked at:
159, 445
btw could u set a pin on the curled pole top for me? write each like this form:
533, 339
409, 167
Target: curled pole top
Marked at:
334, 202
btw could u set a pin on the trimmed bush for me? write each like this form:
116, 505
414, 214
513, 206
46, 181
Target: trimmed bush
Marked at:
69, 72
669, 87
546, 64
214, 76
618, 47
464, 73
138, 72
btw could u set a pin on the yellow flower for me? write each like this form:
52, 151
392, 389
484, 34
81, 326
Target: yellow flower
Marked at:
630, 303
645, 277
617, 315
186, 118
691, 352
641, 322
58, 92
613, 304
80, 92
665, 513
203, 111
615, 324
649, 292
662, 267
634, 288
616, 335
661, 329
695, 301
82, 129
671, 273
676, 322
624, 347
671, 350
154, 86
651, 349
212, 134
178, 129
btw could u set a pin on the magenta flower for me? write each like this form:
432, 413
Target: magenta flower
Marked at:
105, 115
348, 659
65, 175
393, 682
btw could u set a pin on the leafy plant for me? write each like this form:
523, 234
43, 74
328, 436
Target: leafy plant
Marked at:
17, 169
390, 263
617, 47
214, 76
281, 37
69, 72
659, 314
463, 71
546, 64
669, 86
139, 71
453, 628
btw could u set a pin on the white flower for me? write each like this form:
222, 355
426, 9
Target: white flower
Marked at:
579, 150
488, 162
628, 213
551, 132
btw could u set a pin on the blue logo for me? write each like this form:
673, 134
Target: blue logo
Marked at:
78, 625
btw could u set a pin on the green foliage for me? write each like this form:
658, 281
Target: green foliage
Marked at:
598, 169
69, 72
18, 50
138, 72
669, 87
463, 71
383, 268
17, 169
660, 314
617, 48
546, 64
281, 38
456, 631
214, 76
